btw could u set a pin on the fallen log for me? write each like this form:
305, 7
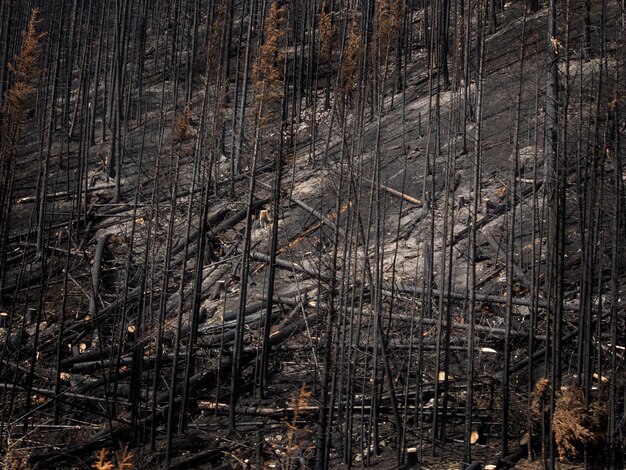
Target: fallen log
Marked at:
134, 293
305, 231
317, 214
49, 197
95, 272
290, 299
199, 458
288, 412
252, 321
281, 263
276, 413
540, 353
314, 212
51, 394
406, 231
501, 252
217, 218
209, 277
52, 458
95, 355
396, 193
464, 326
408, 289
493, 214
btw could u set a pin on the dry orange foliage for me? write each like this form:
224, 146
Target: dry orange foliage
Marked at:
540, 397
574, 425
389, 17
327, 32
350, 63
298, 442
14, 459
181, 131
23, 69
215, 38
123, 460
267, 71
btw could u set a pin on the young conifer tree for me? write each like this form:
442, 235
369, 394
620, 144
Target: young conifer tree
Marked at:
267, 72
388, 23
13, 120
14, 111
350, 63
327, 32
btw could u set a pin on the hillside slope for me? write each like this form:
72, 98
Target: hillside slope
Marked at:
261, 235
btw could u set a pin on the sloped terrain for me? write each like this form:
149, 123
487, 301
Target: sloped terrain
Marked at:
425, 289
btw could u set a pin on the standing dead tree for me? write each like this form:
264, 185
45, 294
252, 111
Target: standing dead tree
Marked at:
269, 94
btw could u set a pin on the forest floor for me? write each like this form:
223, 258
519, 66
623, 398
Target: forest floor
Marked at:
413, 207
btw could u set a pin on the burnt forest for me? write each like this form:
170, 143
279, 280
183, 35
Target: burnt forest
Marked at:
312, 234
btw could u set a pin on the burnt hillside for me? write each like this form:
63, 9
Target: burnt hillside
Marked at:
312, 234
